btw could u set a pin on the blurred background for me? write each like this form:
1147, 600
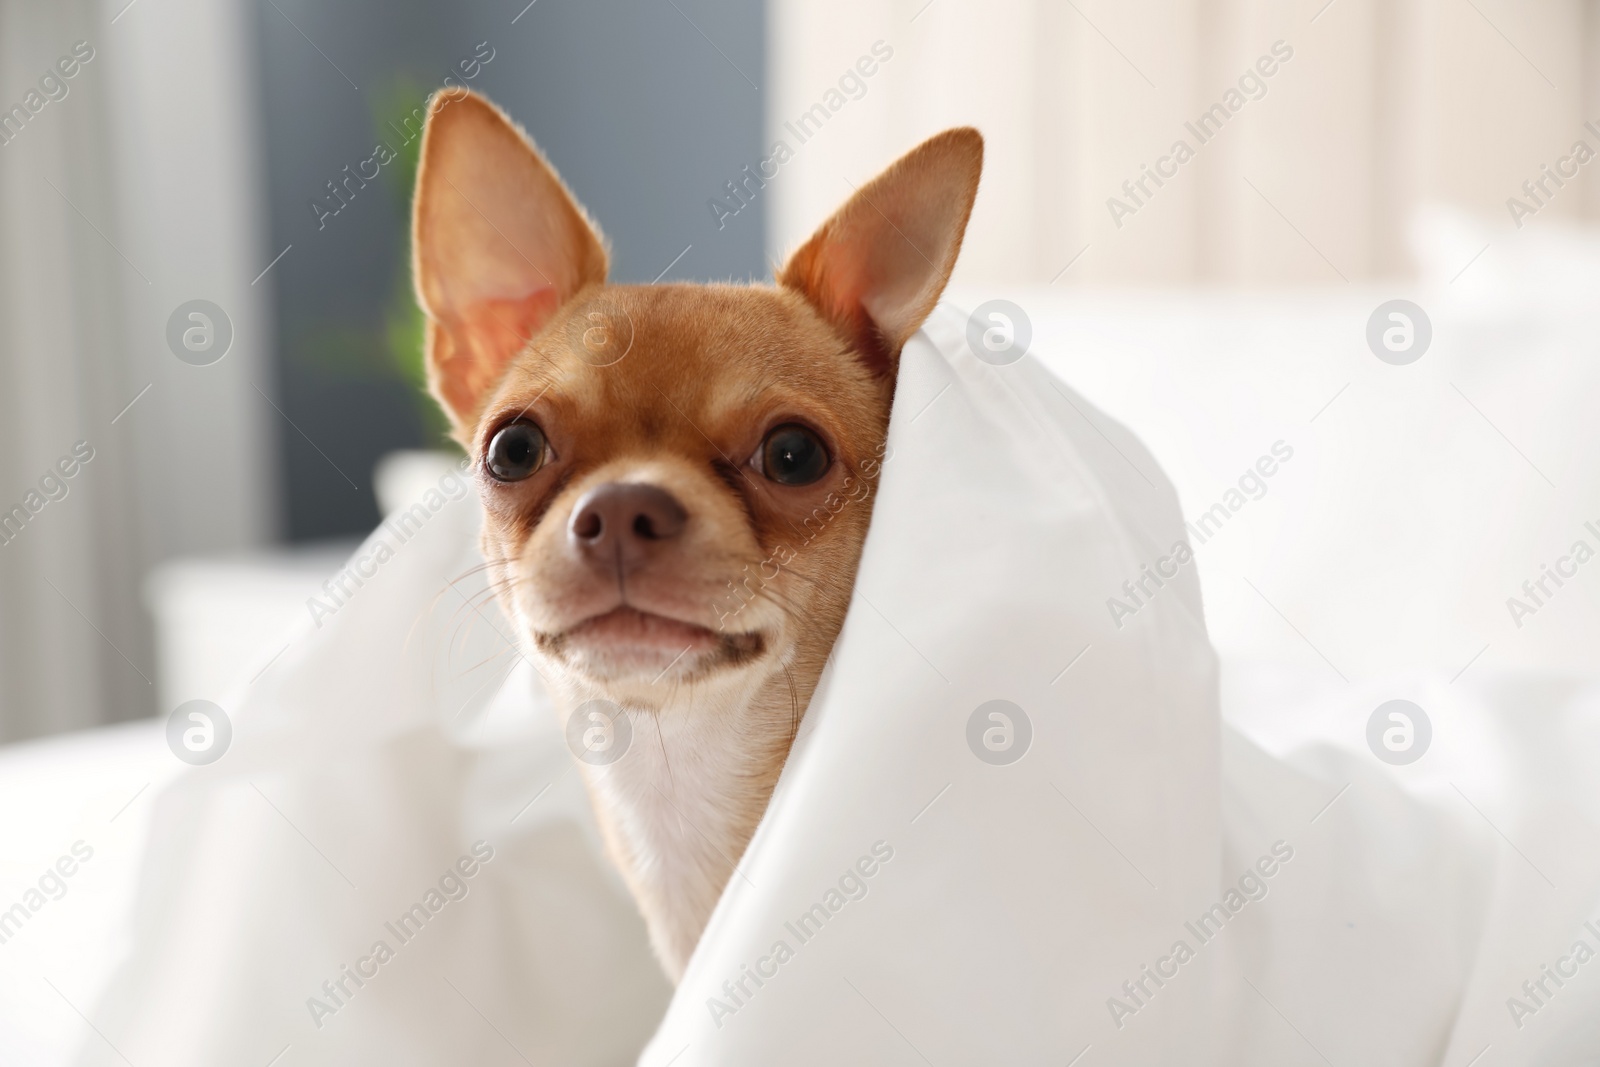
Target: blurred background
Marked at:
1340, 153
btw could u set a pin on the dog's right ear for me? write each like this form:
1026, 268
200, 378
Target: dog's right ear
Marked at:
498, 244
876, 269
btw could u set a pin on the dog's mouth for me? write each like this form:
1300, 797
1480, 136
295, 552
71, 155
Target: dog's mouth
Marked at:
627, 641
630, 627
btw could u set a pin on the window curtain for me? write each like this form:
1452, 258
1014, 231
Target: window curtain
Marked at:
127, 187
1313, 128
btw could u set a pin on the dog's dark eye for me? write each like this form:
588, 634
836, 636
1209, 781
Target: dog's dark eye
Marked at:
792, 455
516, 451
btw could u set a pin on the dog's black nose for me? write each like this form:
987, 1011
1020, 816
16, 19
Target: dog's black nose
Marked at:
623, 523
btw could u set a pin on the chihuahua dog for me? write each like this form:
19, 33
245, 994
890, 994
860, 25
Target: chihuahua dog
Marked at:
649, 456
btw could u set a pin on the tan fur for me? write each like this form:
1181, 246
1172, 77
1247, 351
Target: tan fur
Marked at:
675, 386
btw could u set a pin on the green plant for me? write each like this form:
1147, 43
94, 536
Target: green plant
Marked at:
403, 334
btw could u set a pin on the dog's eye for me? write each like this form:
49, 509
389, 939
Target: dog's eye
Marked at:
793, 455
516, 451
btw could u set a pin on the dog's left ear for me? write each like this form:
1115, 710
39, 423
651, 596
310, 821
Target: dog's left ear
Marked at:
498, 244
876, 269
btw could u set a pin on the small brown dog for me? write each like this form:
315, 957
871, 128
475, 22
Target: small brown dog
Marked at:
649, 457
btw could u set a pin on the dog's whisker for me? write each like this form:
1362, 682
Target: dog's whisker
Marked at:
794, 703
478, 568
661, 739
500, 653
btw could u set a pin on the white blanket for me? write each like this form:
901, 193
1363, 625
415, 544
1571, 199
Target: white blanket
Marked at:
933, 901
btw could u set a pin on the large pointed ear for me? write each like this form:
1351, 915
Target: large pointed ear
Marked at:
498, 244
876, 269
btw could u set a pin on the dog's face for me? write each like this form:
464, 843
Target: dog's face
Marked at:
684, 511
676, 479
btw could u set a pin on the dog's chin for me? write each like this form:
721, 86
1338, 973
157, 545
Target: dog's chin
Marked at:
628, 645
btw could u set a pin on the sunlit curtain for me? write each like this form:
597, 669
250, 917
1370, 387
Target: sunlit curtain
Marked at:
124, 191
1307, 174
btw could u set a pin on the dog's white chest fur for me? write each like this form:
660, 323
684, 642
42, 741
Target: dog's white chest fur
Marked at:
680, 806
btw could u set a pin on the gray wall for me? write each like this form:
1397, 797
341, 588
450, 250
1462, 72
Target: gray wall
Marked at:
643, 115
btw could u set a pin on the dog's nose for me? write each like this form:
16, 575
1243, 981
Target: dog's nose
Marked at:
623, 523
